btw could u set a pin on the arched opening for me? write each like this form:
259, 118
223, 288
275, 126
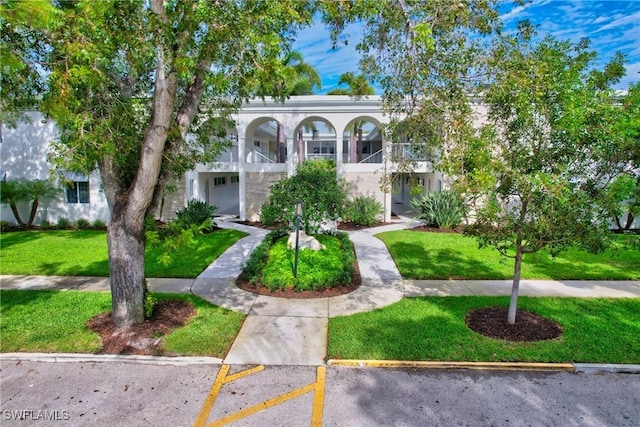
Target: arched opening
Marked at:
363, 142
316, 139
266, 142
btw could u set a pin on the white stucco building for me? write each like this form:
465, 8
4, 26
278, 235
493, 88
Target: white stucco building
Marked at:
238, 183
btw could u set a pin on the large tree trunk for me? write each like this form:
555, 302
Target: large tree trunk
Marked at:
301, 153
126, 268
515, 287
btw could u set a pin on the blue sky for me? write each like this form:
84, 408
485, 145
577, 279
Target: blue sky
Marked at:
611, 25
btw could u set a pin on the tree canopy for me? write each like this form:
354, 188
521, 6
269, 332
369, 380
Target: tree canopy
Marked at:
539, 165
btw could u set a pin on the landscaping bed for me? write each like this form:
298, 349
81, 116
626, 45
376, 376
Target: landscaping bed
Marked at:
327, 272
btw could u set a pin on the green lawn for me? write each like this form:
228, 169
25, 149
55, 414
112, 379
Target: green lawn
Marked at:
421, 255
54, 321
433, 329
84, 253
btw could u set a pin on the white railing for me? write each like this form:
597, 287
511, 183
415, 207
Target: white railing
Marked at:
228, 156
316, 156
411, 151
258, 157
374, 158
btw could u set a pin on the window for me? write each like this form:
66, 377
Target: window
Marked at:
77, 192
221, 180
235, 179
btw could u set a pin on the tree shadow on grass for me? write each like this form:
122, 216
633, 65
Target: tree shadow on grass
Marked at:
440, 264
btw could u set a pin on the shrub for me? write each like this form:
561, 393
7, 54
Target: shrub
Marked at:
4, 225
46, 225
98, 224
83, 224
195, 213
268, 214
444, 209
322, 194
363, 210
63, 223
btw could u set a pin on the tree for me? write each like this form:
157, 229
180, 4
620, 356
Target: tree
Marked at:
424, 56
357, 85
541, 162
23, 190
21, 83
129, 80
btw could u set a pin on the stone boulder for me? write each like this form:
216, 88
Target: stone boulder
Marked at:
304, 242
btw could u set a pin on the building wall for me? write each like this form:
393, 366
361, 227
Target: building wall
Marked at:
23, 154
365, 184
257, 191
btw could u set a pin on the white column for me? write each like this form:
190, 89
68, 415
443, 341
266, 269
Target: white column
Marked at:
339, 146
387, 170
242, 181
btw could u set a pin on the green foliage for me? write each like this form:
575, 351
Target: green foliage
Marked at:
63, 223
82, 224
595, 330
19, 190
149, 302
46, 225
363, 210
316, 269
268, 214
316, 184
4, 225
622, 196
99, 224
253, 266
197, 212
357, 86
443, 209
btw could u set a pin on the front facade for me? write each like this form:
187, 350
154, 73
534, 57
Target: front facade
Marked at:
268, 141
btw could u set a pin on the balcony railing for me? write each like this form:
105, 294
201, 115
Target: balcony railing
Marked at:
258, 157
229, 156
411, 152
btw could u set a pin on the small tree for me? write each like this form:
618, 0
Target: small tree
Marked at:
539, 166
23, 190
316, 184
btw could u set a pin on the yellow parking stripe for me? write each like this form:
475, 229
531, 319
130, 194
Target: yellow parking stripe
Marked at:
318, 398
223, 378
244, 373
211, 397
262, 406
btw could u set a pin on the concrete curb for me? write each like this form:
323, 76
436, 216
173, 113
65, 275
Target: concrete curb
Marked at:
99, 358
186, 361
502, 366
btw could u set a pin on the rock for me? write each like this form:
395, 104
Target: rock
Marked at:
304, 242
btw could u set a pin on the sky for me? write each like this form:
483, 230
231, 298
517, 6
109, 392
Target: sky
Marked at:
611, 25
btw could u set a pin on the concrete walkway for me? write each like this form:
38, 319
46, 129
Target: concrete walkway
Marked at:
278, 331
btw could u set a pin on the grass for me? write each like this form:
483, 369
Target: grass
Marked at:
420, 255
316, 269
54, 321
84, 253
433, 328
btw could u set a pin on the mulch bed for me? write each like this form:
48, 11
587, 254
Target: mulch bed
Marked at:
492, 322
293, 294
143, 338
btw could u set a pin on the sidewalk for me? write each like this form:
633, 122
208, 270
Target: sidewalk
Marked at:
294, 332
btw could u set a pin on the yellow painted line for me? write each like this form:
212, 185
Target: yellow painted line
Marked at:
522, 366
318, 398
201, 419
244, 373
263, 405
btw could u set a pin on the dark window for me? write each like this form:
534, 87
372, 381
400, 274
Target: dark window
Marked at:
78, 192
